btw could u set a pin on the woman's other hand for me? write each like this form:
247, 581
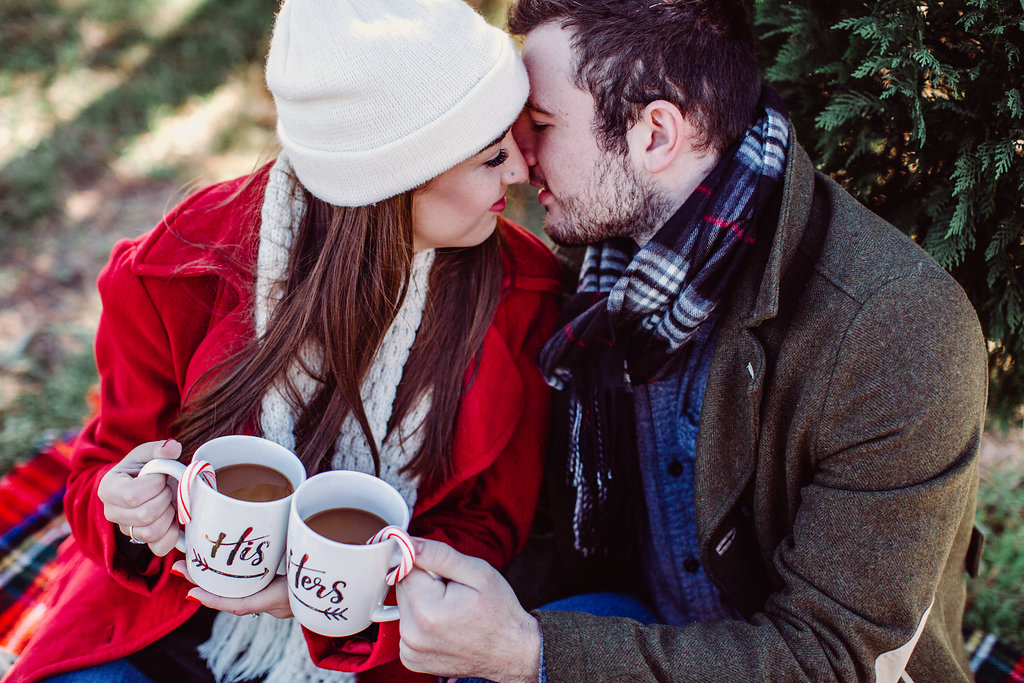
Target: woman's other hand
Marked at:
142, 507
273, 599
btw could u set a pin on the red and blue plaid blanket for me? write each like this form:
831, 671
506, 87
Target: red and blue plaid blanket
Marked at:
32, 526
993, 661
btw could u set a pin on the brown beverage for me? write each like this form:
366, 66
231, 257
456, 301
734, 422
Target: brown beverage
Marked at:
254, 483
346, 525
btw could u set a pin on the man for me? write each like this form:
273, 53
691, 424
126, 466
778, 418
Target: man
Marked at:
774, 399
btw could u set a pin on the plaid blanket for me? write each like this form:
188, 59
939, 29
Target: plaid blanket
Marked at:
32, 526
993, 661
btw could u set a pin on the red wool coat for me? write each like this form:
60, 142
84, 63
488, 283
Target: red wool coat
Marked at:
172, 310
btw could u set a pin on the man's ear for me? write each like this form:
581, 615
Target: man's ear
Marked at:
660, 135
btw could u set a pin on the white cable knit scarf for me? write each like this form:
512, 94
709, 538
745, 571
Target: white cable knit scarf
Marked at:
241, 647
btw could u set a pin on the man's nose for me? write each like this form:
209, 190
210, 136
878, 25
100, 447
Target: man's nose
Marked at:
522, 131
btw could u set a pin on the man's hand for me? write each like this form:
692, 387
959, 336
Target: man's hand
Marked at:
467, 623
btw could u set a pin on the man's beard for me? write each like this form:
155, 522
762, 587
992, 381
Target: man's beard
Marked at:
614, 202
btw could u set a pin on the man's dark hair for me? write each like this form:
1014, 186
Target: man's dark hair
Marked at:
697, 54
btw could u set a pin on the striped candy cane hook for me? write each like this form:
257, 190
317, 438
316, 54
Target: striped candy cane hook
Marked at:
404, 544
198, 468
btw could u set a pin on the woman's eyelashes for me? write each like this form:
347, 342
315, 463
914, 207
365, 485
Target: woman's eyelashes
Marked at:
498, 160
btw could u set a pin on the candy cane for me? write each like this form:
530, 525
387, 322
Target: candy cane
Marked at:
404, 544
198, 468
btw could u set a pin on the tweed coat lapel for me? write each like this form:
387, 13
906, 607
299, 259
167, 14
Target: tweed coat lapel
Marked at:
727, 440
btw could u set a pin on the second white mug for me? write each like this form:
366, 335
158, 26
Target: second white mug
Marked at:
338, 588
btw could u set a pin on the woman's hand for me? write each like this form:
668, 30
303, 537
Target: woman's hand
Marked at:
273, 599
142, 507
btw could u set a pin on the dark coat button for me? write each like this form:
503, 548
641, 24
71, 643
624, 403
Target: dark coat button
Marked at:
691, 564
675, 468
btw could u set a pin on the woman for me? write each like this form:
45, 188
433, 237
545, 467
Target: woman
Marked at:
358, 301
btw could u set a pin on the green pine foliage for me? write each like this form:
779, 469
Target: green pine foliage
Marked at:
994, 599
917, 109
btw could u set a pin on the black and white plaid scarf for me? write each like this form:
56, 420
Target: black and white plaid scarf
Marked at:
635, 313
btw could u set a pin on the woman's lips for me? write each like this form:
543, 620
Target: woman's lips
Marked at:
498, 206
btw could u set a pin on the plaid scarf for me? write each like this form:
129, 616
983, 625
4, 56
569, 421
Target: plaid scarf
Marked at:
635, 313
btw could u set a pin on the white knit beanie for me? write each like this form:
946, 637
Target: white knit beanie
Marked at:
376, 97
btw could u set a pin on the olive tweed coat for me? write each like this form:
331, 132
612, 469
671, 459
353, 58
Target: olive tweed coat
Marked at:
835, 480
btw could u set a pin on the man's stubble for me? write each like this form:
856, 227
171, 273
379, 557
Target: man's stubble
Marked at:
615, 202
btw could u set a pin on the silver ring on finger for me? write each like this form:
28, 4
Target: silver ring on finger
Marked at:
131, 535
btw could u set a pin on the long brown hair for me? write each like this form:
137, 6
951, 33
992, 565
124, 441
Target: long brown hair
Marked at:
348, 273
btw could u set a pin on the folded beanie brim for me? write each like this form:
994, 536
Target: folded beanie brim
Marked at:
453, 111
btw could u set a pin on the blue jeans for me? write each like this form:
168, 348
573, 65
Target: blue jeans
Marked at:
605, 605
117, 671
600, 605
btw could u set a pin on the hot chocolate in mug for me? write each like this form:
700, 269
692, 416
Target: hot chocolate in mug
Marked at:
235, 538
347, 544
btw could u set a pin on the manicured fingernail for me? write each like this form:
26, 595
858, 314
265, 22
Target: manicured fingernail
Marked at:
176, 572
166, 442
192, 599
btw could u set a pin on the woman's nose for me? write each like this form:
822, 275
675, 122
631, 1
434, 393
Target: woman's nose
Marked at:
522, 131
515, 169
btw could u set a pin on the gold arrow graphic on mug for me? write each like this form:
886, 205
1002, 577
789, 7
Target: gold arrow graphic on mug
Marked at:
203, 565
330, 613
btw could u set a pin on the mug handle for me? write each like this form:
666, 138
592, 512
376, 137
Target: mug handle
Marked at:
385, 613
175, 470
406, 556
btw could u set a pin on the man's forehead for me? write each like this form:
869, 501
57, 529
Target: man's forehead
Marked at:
548, 56
547, 49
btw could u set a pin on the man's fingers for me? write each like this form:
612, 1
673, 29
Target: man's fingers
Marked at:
448, 563
419, 595
419, 582
407, 655
411, 658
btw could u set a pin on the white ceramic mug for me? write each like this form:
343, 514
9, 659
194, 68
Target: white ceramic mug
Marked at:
338, 589
234, 548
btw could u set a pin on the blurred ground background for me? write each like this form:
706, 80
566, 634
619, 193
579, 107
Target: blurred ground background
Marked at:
110, 110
